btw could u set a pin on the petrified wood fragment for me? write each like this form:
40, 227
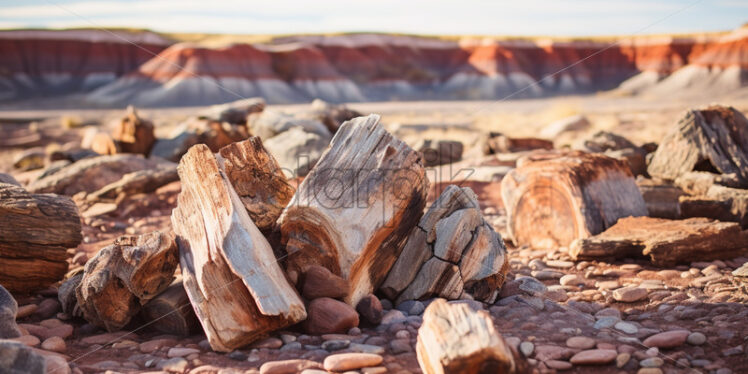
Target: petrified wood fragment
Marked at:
452, 252
552, 199
232, 278
125, 275
354, 211
666, 242
91, 174
134, 134
711, 139
35, 232
456, 339
257, 179
171, 312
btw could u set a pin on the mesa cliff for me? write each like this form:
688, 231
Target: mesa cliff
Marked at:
147, 69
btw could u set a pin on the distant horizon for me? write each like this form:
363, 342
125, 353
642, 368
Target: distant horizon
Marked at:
501, 18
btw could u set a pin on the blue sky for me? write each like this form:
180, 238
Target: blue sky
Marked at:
472, 17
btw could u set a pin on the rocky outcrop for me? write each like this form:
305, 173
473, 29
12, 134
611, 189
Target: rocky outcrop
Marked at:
54, 62
361, 67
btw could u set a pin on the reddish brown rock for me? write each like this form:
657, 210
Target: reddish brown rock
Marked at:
665, 241
329, 316
319, 282
350, 361
668, 339
134, 134
292, 366
369, 309
594, 357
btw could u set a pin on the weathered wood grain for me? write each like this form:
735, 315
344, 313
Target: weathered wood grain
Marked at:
91, 174
141, 181
171, 312
661, 198
35, 232
125, 275
257, 179
711, 139
666, 242
455, 339
552, 199
231, 276
452, 253
354, 211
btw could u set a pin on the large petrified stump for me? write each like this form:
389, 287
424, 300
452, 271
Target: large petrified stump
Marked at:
452, 252
35, 232
455, 339
354, 211
552, 199
124, 276
712, 139
237, 288
666, 242
257, 179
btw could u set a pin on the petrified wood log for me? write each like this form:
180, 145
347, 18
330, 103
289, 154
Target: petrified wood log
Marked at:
500, 143
140, 181
103, 144
452, 252
134, 134
553, 199
171, 312
236, 287
439, 152
456, 339
235, 112
666, 242
713, 196
331, 115
91, 174
66, 293
661, 198
354, 211
35, 232
125, 275
257, 179
712, 139
720, 203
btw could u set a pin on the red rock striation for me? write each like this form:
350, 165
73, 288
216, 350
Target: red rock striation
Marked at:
42, 62
361, 67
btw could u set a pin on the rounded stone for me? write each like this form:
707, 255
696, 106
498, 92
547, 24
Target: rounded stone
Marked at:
626, 327
668, 339
351, 361
558, 364
629, 294
696, 338
580, 342
622, 359
652, 362
571, 280
54, 344
594, 357
526, 348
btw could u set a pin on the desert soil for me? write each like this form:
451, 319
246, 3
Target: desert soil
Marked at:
551, 308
